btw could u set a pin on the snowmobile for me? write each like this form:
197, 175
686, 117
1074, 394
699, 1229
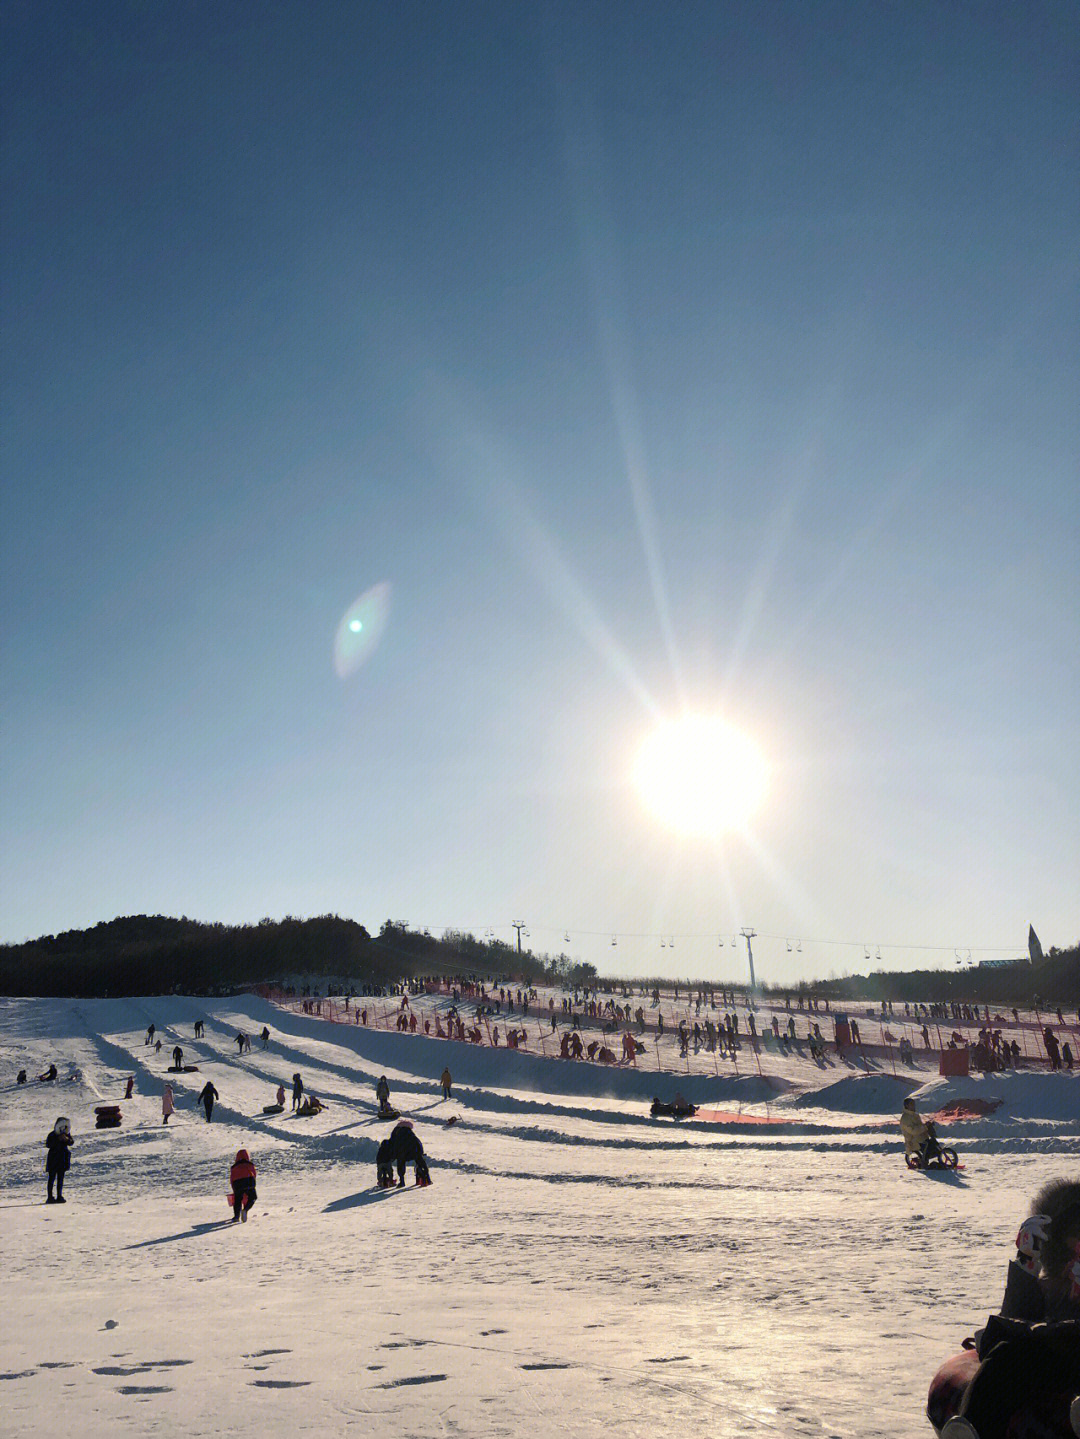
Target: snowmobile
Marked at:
932, 1155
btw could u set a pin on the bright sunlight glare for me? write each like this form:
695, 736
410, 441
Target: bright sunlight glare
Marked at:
700, 775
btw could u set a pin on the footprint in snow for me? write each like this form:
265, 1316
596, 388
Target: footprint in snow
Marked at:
415, 1379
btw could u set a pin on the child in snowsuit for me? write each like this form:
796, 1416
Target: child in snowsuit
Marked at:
384, 1166
382, 1093
1029, 1354
207, 1097
57, 1159
242, 1180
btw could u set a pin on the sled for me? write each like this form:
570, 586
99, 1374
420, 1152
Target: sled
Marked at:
387, 1112
672, 1111
273, 1108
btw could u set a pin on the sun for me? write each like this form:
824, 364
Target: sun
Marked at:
701, 775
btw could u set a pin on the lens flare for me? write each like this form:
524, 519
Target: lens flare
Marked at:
360, 629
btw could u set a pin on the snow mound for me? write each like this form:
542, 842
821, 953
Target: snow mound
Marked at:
1022, 1096
861, 1094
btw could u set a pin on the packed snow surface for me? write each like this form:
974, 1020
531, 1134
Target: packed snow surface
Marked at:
576, 1268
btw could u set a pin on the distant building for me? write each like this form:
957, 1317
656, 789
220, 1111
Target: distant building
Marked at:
1000, 963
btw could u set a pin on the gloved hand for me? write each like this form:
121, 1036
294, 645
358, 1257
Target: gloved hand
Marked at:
1029, 1242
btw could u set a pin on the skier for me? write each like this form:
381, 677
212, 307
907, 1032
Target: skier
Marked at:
58, 1159
406, 1149
167, 1106
178, 1058
297, 1091
445, 1081
207, 1097
1028, 1353
242, 1180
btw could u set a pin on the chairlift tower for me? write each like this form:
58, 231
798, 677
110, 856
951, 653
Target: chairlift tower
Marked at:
748, 935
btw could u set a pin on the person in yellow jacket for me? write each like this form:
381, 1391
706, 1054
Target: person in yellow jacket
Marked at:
913, 1128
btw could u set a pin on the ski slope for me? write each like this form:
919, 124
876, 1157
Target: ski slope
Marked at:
576, 1267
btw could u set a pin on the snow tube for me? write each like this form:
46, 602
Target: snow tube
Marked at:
273, 1108
672, 1111
388, 1113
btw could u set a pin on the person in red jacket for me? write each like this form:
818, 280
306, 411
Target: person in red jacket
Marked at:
242, 1179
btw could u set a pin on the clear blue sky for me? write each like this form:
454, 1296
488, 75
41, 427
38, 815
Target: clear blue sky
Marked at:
718, 356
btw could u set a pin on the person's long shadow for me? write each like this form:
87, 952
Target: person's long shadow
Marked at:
355, 1201
193, 1233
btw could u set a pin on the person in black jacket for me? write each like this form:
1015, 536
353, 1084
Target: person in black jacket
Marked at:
1030, 1352
406, 1149
207, 1096
58, 1159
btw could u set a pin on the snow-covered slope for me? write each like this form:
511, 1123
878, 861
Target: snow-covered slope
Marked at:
576, 1267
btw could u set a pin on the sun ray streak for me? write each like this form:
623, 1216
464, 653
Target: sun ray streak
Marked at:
603, 272
506, 505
